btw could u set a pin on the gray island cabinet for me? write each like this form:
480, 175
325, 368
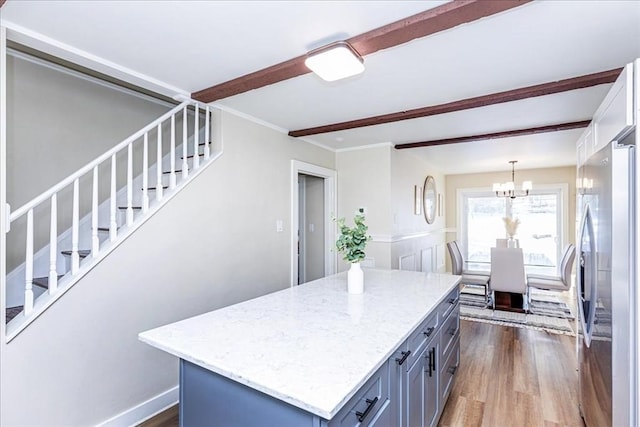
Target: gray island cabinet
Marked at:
314, 355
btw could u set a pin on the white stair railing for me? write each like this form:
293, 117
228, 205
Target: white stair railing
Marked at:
91, 172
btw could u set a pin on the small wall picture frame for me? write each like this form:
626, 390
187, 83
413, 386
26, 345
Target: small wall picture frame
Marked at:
417, 200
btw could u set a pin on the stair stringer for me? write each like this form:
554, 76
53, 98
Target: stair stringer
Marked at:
15, 279
46, 299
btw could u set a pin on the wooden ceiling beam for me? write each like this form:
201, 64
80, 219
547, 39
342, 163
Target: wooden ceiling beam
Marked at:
429, 22
496, 135
465, 104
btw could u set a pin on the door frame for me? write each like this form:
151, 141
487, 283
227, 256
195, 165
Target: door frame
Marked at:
330, 208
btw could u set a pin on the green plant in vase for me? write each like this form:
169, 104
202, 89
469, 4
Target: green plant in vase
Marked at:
351, 244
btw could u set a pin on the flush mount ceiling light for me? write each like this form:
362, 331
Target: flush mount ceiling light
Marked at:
335, 61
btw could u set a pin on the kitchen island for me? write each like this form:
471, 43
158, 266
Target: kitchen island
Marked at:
315, 355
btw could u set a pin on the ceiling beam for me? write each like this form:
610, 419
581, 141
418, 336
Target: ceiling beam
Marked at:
429, 22
465, 104
496, 135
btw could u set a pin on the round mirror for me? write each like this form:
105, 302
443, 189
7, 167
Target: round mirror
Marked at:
429, 199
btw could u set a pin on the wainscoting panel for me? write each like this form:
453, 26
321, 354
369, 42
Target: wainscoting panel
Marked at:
407, 262
427, 260
441, 258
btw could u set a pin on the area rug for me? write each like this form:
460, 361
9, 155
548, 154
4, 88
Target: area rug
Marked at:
547, 312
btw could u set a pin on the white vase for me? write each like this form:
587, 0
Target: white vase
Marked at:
511, 242
355, 279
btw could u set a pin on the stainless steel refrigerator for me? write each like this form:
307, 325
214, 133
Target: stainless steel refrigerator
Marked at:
606, 271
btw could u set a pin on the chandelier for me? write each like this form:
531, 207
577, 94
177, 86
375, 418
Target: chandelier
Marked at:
507, 189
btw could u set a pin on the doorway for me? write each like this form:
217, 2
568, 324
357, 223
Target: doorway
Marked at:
310, 228
313, 205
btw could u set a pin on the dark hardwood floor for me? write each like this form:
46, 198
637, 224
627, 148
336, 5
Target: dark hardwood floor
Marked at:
507, 377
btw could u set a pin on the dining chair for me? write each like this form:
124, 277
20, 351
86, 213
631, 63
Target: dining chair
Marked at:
507, 273
554, 283
469, 277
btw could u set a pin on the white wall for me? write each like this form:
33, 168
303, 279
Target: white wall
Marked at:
412, 237
364, 180
215, 244
382, 179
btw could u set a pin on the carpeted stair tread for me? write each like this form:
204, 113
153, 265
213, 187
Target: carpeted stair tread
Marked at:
43, 282
12, 312
83, 253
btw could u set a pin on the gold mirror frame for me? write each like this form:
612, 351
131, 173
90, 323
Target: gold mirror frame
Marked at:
429, 199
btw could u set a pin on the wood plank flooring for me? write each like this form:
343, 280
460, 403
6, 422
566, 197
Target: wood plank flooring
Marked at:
507, 377
513, 377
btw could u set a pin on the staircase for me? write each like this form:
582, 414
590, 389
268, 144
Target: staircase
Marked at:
100, 206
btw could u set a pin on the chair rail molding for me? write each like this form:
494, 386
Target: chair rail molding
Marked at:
394, 238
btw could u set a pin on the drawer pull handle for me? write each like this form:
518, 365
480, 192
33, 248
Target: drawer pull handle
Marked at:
453, 331
452, 370
429, 331
405, 354
370, 404
453, 301
431, 361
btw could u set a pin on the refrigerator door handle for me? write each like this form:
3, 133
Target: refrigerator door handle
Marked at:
586, 276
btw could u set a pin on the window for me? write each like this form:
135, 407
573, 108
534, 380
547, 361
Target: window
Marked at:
540, 233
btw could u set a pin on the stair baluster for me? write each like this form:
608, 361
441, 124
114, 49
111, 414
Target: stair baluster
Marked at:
53, 245
207, 133
185, 165
172, 175
130, 185
159, 165
28, 272
196, 134
145, 173
75, 257
113, 220
95, 241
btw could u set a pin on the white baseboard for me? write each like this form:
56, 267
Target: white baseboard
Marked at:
145, 410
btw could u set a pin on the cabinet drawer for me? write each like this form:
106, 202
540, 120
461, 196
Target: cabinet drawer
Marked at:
366, 406
450, 332
450, 302
448, 372
425, 332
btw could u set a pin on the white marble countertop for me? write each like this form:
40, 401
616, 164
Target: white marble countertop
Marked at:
313, 345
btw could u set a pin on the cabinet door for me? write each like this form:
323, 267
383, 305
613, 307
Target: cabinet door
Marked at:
414, 392
614, 117
384, 416
430, 391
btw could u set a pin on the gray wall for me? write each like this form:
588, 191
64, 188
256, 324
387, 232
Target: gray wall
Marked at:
213, 245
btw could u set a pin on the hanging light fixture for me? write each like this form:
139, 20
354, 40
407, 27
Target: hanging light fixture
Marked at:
507, 189
335, 61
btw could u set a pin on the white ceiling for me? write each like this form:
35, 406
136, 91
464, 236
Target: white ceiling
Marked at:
185, 46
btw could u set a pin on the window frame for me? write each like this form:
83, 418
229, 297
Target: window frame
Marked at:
560, 190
